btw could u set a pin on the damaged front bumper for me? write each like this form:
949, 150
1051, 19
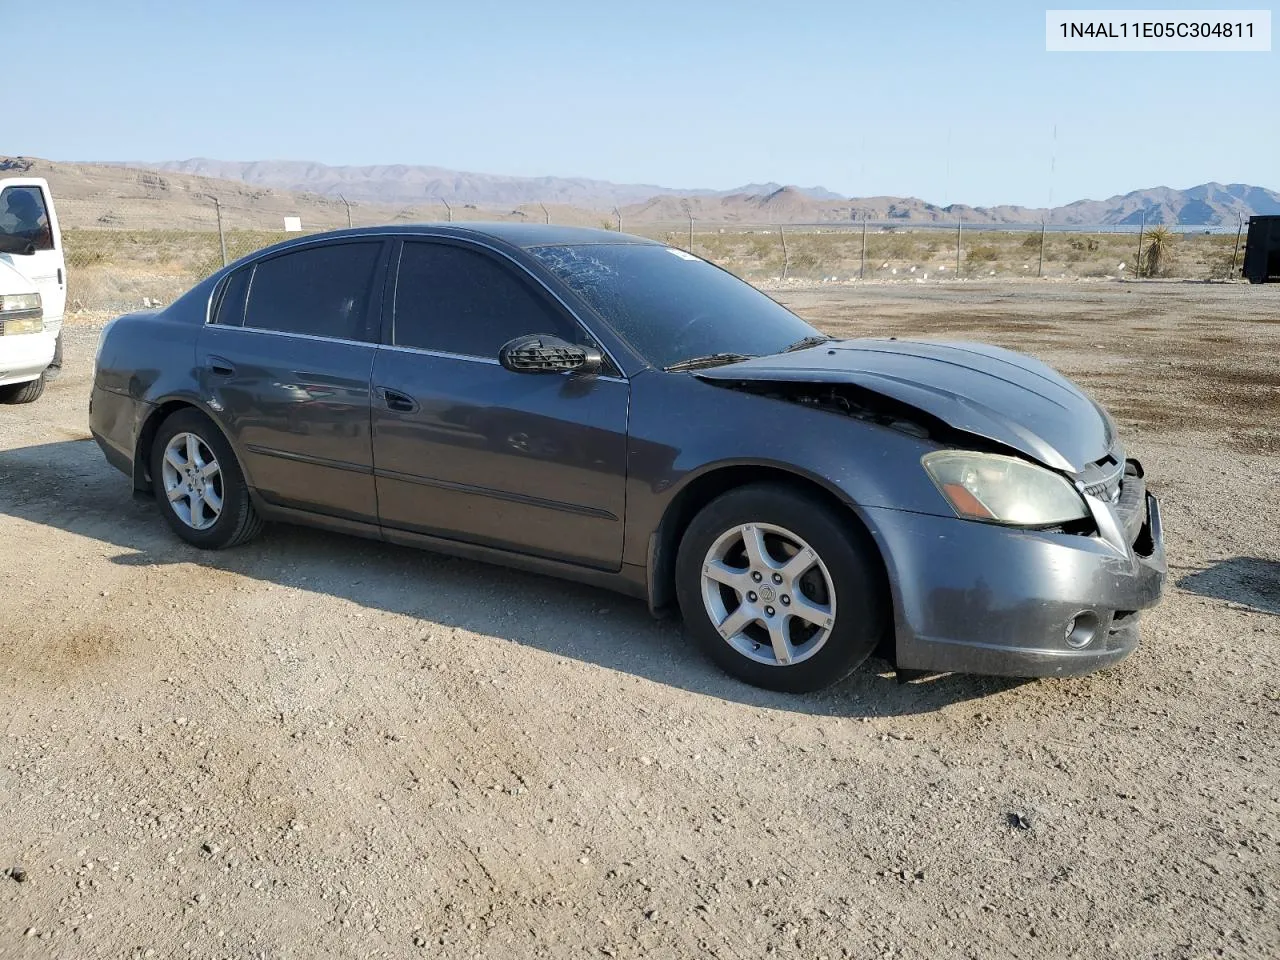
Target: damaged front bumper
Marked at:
981, 598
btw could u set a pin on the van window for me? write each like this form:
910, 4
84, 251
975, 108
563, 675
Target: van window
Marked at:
23, 214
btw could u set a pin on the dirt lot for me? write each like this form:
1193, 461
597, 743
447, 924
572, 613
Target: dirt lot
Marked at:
322, 747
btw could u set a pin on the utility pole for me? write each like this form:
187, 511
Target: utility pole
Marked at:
862, 268
1239, 230
1040, 269
222, 237
959, 227
1137, 266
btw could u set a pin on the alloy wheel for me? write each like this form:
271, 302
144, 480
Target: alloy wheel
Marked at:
192, 481
768, 594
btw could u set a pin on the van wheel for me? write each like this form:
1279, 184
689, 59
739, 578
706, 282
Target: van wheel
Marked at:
23, 392
780, 589
199, 485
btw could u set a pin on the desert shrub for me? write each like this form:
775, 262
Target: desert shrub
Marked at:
1156, 253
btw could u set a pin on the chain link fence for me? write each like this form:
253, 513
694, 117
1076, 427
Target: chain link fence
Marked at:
130, 253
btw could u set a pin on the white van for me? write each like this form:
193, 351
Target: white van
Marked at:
33, 289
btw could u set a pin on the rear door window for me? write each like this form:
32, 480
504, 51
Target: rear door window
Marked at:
322, 291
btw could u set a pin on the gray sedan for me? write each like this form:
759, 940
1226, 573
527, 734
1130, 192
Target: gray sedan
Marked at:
605, 408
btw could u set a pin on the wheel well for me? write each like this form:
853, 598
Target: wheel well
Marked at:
701, 491
147, 436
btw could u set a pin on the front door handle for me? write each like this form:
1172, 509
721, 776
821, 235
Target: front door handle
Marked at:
220, 366
395, 400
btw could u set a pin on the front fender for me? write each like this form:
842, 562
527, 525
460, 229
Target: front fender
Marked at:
683, 428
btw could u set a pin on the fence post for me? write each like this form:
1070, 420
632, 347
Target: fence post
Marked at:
348, 206
448, 208
1040, 268
959, 227
691, 233
546, 217
1239, 230
786, 257
618, 214
1137, 265
222, 237
862, 267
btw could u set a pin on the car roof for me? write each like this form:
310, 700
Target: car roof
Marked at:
515, 234
543, 234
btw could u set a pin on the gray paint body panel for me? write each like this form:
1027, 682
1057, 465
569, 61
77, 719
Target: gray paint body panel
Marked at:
1004, 396
592, 468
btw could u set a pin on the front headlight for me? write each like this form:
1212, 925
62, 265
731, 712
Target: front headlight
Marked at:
20, 313
19, 302
999, 489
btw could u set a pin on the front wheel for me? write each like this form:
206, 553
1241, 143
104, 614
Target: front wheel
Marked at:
198, 483
27, 392
781, 589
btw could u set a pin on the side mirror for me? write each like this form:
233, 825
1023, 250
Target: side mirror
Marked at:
544, 353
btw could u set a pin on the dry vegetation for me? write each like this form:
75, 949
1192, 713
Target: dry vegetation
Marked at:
931, 253
120, 269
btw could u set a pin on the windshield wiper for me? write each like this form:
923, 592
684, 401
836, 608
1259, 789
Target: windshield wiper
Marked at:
710, 360
806, 342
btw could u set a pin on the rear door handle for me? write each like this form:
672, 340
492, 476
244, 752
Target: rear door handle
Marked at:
220, 366
395, 400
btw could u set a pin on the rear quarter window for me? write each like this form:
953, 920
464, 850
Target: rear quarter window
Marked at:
228, 305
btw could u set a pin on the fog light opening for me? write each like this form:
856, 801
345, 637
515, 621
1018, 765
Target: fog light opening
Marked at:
1082, 629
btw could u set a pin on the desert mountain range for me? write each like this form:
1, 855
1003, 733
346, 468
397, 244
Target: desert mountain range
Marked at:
401, 193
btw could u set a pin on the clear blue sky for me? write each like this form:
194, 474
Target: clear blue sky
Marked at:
947, 101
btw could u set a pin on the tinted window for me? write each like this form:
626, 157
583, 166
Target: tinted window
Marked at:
321, 291
670, 305
456, 300
23, 214
230, 306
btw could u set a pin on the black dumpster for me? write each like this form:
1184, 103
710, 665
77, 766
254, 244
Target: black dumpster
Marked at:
1262, 250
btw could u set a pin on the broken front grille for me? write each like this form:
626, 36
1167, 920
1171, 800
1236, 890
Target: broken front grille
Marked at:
1107, 486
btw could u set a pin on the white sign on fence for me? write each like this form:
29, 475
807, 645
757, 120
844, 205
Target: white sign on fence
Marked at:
292, 224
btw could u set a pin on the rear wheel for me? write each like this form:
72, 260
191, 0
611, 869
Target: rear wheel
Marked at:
23, 392
198, 483
780, 589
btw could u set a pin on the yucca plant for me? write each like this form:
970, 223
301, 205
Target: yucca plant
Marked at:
1159, 240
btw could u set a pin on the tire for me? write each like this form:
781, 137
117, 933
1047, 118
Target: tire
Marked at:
193, 513
830, 608
23, 392
54, 370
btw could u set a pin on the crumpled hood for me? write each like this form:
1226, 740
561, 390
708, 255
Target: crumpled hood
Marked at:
1004, 396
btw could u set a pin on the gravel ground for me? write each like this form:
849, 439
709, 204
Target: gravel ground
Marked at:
316, 746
